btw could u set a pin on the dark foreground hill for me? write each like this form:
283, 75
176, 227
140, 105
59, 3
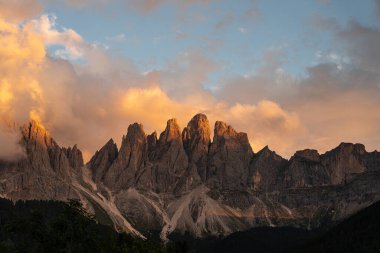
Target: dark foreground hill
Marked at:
359, 233
52, 226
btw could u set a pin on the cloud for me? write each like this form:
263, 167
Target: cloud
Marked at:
73, 43
147, 6
117, 38
336, 98
10, 148
19, 10
265, 122
84, 3
377, 5
363, 44
89, 103
242, 30
21, 54
143, 6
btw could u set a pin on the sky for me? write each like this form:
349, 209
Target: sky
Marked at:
293, 74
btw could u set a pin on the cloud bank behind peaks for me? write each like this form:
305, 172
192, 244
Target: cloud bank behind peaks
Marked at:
89, 102
80, 105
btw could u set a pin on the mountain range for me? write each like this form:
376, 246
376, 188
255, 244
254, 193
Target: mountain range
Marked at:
182, 181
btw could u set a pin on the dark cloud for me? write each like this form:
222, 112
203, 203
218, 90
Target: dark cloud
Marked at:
335, 100
363, 45
377, 5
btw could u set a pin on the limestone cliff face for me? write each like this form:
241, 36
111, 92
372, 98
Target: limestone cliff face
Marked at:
102, 160
75, 157
266, 171
46, 171
166, 161
132, 153
344, 162
306, 170
196, 141
183, 181
186, 182
229, 158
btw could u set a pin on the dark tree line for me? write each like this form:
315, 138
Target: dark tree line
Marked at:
52, 226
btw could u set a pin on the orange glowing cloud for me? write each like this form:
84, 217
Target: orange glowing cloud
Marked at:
70, 103
88, 104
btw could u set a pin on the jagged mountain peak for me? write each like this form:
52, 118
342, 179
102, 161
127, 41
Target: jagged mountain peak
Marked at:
198, 127
35, 133
135, 137
347, 147
307, 154
223, 131
222, 128
171, 132
135, 129
357, 147
195, 185
265, 151
110, 142
196, 139
75, 157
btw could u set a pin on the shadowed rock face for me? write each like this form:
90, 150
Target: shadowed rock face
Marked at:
166, 162
130, 158
190, 183
196, 142
344, 162
182, 181
229, 158
75, 157
305, 170
46, 171
102, 160
266, 171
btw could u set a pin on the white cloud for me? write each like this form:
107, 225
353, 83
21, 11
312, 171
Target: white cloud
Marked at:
242, 30
73, 43
117, 38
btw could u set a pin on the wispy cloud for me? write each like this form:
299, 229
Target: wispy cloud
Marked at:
242, 30
121, 37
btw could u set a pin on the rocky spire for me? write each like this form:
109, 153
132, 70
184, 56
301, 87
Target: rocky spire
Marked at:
35, 134
171, 132
225, 135
132, 144
130, 158
102, 160
152, 144
37, 142
196, 137
168, 159
75, 157
196, 142
229, 158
